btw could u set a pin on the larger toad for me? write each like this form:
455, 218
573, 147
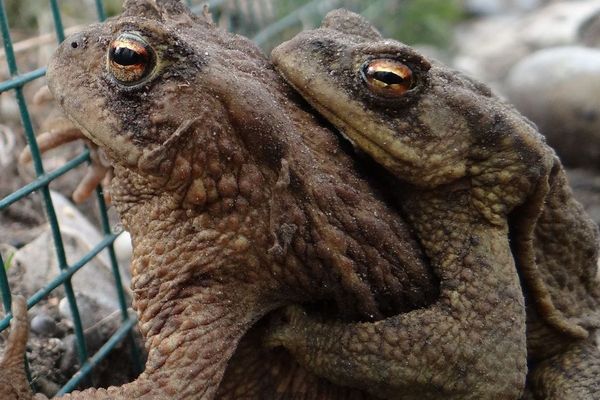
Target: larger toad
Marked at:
238, 202
487, 198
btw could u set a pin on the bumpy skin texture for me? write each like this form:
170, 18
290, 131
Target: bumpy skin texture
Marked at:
238, 202
11, 383
490, 204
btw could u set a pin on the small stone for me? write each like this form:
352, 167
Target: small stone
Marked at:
42, 324
558, 89
486, 48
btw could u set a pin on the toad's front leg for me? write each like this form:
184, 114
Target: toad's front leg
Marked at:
190, 340
468, 345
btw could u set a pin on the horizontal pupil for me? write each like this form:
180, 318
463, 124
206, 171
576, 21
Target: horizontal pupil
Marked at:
388, 77
126, 56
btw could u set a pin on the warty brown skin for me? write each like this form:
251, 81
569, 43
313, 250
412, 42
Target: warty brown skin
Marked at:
492, 208
238, 202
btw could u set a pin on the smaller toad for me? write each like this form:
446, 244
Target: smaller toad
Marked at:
493, 211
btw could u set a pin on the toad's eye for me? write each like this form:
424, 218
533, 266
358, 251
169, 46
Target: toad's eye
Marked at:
387, 77
130, 59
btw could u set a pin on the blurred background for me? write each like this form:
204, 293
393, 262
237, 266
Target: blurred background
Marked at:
269, 21
541, 55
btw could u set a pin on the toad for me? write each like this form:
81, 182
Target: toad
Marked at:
491, 206
238, 202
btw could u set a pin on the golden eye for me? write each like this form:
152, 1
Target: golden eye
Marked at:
130, 59
387, 77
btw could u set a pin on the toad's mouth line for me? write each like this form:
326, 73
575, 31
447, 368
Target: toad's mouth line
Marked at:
117, 145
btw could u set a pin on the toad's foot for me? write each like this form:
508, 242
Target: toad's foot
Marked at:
99, 170
13, 380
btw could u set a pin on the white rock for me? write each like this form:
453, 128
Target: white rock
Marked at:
34, 265
489, 47
559, 90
